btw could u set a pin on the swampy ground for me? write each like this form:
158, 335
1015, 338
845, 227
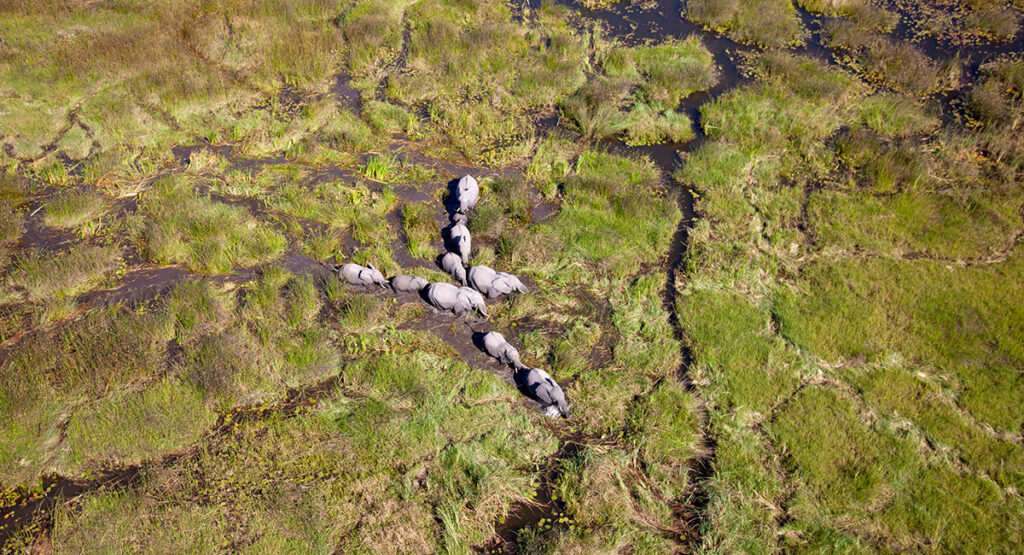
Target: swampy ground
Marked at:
773, 250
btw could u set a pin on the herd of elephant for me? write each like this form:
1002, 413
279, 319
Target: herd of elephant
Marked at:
476, 282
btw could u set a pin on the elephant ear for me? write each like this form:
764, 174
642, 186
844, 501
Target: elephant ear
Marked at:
370, 266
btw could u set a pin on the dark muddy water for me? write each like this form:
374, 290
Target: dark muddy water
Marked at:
36, 505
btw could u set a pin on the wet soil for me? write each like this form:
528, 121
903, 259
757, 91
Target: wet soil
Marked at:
348, 97
138, 286
38, 236
542, 510
34, 507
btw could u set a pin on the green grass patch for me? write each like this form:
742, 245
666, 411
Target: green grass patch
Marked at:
109, 430
43, 276
385, 116
616, 216
179, 225
767, 23
74, 209
956, 319
648, 127
381, 167
896, 116
421, 230
913, 223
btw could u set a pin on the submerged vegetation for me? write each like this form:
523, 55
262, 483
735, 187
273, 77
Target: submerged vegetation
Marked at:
831, 361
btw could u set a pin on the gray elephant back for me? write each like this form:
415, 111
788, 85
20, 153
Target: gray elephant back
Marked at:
452, 264
468, 191
480, 277
443, 295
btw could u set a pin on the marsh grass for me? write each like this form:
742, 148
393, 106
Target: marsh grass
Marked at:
896, 116
478, 77
74, 208
178, 225
352, 208
922, 223
874, 205
322, 244
58, 369
385, 116
173, 413
276, 474
898, 65
421, 229
381, 167
11, 223
840, 380
595, 111
767, 23
140, 77
648, 127
672, 70
552, 162
504, 206
616, 216
992, 104
607, 505
43, 276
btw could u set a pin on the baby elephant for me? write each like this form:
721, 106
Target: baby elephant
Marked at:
497, 347
452, 264
475, 299
492, 283
359, 275
459, 239
466, 193
542, 388
505, 284
408, 284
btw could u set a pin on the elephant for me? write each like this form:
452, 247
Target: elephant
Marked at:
475, 299
492, 283
480, 277
359, 275
452, 264
542, 388
504, 284
466, 193
496, 346
459, 218
408, 284
459, 239
448, 297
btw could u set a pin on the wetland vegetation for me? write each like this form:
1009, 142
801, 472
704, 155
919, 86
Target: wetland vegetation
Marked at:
773, 252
